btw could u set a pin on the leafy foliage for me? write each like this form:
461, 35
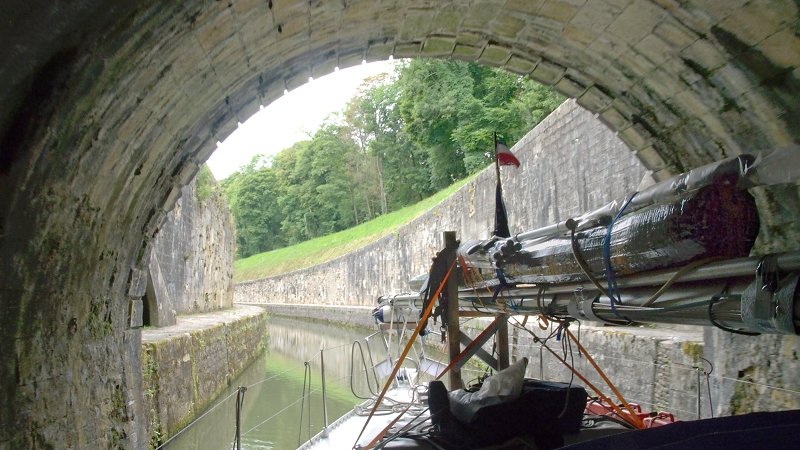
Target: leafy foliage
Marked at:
401, 139
206, 184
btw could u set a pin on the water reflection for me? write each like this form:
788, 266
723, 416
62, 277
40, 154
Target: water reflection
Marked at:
273, 404
274, 413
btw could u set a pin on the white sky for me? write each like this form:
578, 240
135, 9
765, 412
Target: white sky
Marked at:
293, 117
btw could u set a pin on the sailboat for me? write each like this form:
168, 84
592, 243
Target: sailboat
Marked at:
677, 252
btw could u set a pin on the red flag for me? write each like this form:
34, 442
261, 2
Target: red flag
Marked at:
504, 155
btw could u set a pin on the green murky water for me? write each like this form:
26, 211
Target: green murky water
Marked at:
274, 414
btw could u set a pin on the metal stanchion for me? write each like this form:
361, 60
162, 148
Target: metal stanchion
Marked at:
324, 396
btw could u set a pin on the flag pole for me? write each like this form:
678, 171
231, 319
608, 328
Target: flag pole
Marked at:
497, 161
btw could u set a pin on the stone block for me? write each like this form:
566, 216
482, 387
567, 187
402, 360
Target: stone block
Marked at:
579, 38
664, 174
294, 29
664, 84
270, 92
259, 37
595, 15
507, 26
228, 56
782, 48
134, 125
616, 79
547, 73
417, 24
560, 11
731, 80
479, 15
675, 34
635, 137
520, 65
216, 33
297, 78
754, 21
705, 55
136, 313
187, 173
529, 7
172, 197
717, 11
325, 67
379, 51
654, 49
350, 58
779, 134
569, 87
323, 29
438, 46
690, 104
284, 10
636, 64
495, 55
222, 122
471, 39
407, 49
244, 100
594, 99
542, 30
650, 158
205, 150
448, 19
137, 283
608, 46
246, 7
582, 77
357, 13
614, 119
466, 52
636, 21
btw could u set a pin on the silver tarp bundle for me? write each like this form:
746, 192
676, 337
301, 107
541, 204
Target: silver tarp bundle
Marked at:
705, 213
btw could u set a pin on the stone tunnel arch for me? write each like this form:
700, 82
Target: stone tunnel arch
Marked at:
109, 110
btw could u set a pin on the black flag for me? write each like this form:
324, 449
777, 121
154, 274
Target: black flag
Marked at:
500, 216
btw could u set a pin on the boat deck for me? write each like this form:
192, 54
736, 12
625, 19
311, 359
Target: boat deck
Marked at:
342, 433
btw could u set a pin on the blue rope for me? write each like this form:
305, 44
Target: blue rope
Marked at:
613, 294
499, 288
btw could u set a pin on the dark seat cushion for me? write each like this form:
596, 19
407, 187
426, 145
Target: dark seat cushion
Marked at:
544, 410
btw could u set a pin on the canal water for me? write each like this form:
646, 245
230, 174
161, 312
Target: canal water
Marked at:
275, 414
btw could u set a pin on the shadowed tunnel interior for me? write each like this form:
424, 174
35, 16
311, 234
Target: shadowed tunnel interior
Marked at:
108, 109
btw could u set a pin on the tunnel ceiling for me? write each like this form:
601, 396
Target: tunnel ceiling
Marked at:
682, 82
110, 109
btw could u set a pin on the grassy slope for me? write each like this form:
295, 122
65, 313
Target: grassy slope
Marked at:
326, 248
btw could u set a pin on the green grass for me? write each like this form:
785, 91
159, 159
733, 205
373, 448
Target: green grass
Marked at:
326, 248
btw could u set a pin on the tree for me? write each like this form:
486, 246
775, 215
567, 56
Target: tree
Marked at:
452, 109
252, 194
400, 169
402, 138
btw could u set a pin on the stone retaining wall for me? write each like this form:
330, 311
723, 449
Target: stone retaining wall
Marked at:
352, 316
188, 365
191, 262
654, 367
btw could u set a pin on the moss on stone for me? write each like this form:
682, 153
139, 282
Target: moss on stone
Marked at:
693, 350
745, 394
